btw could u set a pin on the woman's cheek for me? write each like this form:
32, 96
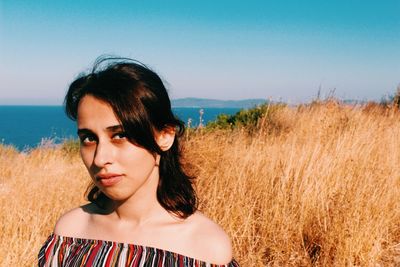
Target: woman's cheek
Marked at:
87, 158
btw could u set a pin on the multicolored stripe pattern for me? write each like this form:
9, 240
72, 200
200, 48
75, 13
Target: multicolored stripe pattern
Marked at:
77, 252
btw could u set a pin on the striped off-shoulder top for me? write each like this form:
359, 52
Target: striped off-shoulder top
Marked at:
70, 251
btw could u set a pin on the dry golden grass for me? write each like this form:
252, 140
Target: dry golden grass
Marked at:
320, 187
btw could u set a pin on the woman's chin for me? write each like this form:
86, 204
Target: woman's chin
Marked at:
115, 195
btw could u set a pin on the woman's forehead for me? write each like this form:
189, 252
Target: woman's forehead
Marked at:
93, 112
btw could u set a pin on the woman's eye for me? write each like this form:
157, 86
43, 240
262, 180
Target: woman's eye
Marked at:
87, 139
119, 136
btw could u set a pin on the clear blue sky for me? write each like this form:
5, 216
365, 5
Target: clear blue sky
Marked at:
209, 49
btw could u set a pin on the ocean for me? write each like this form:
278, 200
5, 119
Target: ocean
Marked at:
26, 127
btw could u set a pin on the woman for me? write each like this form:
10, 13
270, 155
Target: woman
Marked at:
143, 208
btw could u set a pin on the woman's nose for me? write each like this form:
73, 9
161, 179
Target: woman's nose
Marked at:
103, 154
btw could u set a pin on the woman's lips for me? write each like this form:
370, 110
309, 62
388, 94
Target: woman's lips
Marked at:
109, 179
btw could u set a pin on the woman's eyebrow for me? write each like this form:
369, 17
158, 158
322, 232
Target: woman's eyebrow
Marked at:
84, 131
114, 128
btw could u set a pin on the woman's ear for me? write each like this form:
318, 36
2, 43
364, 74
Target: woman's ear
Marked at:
165, 138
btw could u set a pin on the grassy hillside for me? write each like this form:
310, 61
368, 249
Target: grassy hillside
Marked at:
314, 185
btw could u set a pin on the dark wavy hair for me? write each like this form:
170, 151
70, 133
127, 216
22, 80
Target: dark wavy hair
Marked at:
140, 102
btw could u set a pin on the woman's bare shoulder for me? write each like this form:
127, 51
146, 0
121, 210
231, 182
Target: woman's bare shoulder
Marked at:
72, 222
212, 242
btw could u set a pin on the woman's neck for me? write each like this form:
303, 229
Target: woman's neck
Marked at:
141, 207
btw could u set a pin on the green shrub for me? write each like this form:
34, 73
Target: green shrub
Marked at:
248, 118
396, 97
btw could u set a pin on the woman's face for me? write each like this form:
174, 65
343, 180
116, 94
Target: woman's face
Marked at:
119, 168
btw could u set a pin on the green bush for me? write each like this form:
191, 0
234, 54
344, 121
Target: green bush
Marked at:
248, 118
396, 97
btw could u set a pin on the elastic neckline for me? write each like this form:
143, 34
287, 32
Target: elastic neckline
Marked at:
81, 240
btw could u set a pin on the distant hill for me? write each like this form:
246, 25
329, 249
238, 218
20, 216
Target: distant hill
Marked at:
191, 102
